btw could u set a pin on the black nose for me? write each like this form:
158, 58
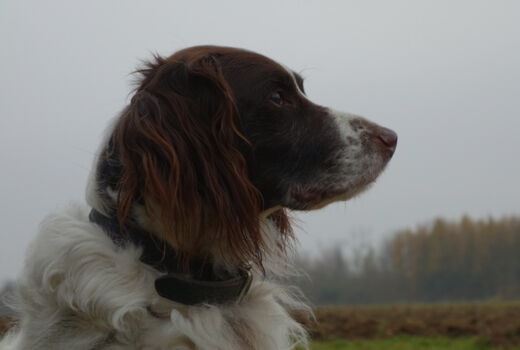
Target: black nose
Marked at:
389, 137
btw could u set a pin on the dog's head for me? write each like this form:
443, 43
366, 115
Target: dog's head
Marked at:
216, 138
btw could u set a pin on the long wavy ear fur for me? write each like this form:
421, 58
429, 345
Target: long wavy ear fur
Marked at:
177, 143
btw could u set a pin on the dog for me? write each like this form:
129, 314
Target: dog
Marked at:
186, 238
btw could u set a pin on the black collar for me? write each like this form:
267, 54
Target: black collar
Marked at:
209, 286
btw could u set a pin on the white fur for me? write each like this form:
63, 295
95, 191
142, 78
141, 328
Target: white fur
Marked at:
80, 291
360, 164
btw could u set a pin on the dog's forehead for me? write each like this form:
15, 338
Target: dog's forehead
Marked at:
232, 58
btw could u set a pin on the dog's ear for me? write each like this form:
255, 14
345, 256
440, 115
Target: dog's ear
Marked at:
178, 146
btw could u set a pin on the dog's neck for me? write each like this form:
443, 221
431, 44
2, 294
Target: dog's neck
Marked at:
203, 282
102, 197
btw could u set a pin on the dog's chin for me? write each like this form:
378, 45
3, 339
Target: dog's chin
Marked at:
340, 197
313, 199
308, 198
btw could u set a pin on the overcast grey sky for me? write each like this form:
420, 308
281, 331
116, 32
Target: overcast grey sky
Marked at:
444, 74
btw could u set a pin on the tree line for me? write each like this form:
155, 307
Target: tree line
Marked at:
462, 260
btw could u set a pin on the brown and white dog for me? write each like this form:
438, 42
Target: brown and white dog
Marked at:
186, 233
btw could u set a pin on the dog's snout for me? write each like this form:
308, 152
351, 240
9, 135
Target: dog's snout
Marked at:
388, 137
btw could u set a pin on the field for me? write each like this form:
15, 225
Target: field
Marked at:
431, 326
406, 343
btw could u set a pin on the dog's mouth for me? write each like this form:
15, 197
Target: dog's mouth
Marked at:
320, 194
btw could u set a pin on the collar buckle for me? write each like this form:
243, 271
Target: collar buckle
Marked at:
247, 284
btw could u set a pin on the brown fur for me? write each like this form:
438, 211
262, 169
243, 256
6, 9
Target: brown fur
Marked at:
179, 149
5, 324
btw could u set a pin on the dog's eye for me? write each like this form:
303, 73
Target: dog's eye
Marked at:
276, 98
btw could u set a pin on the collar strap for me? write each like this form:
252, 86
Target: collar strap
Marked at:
209, 286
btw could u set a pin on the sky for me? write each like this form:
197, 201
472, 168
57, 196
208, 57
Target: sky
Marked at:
445, 75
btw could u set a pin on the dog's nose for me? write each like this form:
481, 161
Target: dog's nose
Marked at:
389, 137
